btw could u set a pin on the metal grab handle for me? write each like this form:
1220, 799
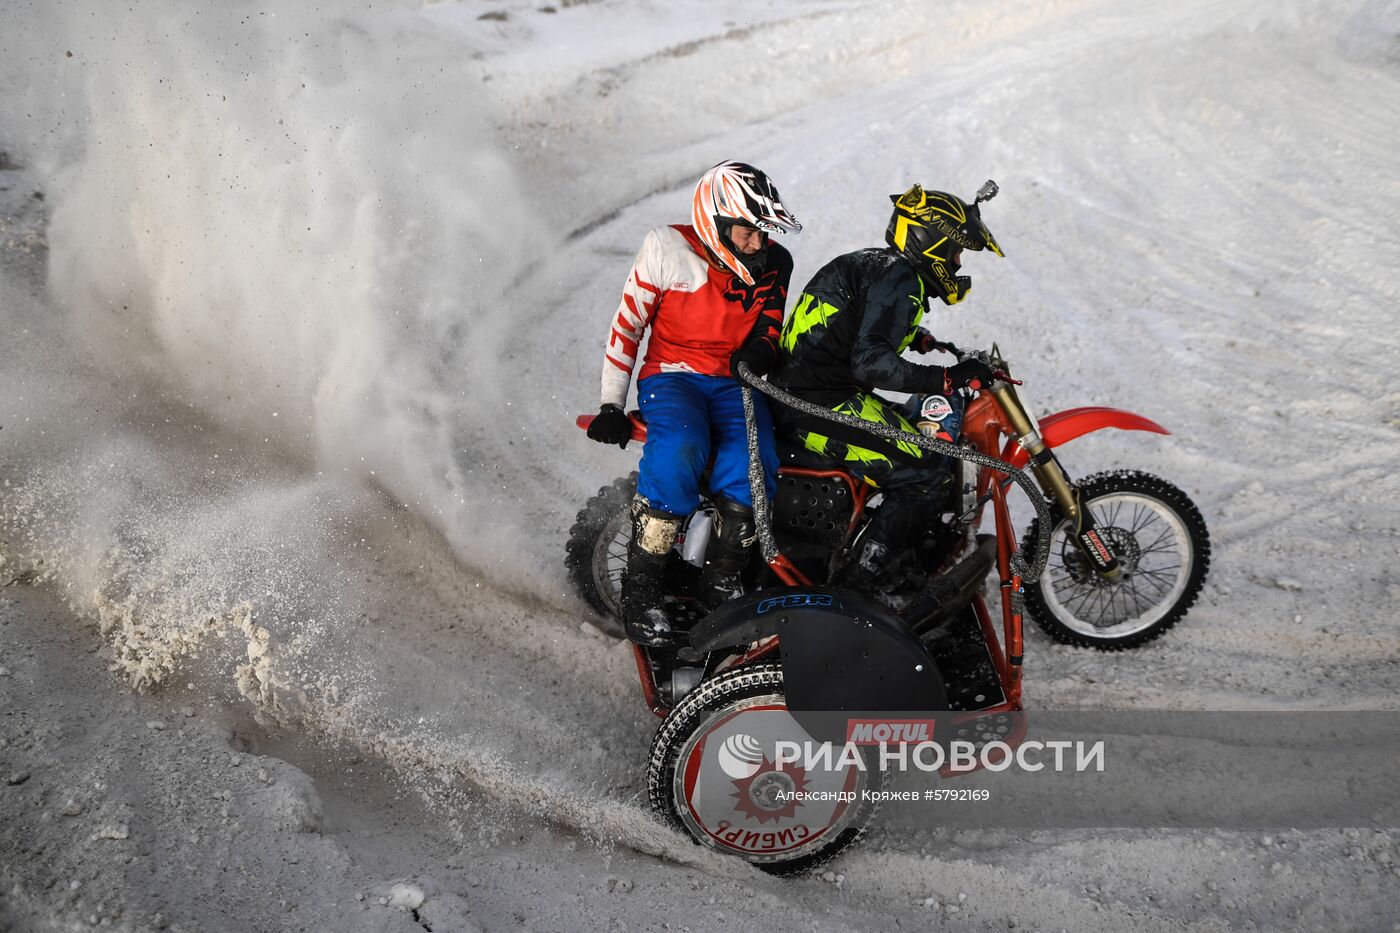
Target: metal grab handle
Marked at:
758, 487
762, 519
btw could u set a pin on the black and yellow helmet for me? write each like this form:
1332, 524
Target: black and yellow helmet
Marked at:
932, 228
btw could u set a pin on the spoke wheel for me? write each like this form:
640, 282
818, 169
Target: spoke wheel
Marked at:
1160, 540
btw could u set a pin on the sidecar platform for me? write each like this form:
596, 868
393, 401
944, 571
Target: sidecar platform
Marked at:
959, 648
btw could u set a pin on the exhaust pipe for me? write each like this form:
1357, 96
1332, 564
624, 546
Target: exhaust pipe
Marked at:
949, 593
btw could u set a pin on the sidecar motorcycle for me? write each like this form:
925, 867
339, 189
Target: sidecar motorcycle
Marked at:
1110, 562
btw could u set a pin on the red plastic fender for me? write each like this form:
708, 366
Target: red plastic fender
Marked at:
1064, 426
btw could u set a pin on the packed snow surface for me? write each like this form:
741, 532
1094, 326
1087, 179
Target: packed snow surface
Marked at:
297, 306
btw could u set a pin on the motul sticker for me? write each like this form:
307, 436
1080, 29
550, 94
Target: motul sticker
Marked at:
880, 731
935, 408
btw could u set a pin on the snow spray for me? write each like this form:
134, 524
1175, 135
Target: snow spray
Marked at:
296, 222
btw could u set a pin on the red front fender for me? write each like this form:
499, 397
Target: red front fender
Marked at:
1064, 426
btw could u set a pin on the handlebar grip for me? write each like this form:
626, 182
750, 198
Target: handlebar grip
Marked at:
639, 427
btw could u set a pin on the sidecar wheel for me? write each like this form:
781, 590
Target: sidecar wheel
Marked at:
698, 784
596, 552
1161, 541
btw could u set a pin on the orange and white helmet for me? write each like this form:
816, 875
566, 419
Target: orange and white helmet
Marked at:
737, 193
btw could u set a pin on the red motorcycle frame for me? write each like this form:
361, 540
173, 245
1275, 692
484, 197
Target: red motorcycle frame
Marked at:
995, 424
1110, 562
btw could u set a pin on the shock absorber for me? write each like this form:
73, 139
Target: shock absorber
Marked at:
1053, 480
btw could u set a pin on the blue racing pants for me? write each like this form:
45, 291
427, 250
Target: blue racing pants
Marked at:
691, 419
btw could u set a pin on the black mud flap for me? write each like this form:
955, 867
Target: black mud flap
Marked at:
841, 652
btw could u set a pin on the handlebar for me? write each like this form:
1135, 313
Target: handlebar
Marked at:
947, 346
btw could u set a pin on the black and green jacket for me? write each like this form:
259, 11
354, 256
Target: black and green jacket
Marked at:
848, 328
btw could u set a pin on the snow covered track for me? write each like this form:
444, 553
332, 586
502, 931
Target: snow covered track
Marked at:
289, 416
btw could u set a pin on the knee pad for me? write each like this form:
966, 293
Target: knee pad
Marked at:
734, 524
734, 534
653, 530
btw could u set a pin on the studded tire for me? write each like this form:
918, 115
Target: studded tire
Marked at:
1162, 542
716, 698
596, 552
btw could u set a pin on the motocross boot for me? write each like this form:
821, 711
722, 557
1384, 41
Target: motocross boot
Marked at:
886, 565
873, 573
726, 554
644, 617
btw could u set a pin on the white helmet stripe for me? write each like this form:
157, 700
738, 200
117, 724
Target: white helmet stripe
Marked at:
736, 191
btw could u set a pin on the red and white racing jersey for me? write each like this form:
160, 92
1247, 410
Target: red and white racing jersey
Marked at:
698, 314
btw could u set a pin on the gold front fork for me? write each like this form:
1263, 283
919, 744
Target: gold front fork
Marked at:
1052, 478
1054, 482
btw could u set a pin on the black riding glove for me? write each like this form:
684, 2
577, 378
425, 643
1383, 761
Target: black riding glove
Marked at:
611, 426
966, 372
923, 342
759, 352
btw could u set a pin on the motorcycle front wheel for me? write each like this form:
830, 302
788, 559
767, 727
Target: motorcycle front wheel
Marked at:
1162, 546
712, 775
